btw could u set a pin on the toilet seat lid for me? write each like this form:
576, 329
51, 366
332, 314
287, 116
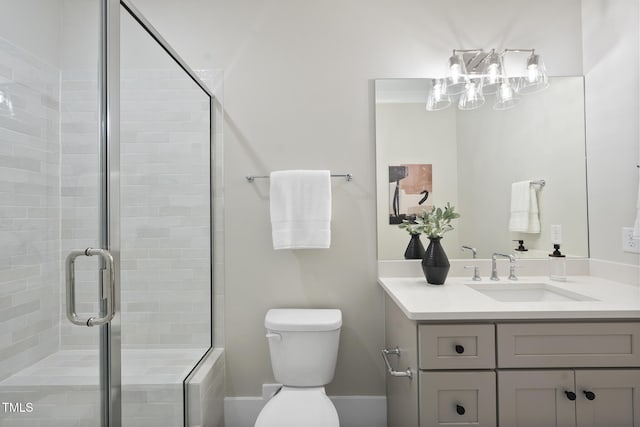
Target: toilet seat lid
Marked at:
296, 407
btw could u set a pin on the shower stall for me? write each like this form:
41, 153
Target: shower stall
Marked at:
106, 142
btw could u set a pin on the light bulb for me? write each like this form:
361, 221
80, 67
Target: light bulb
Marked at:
438, 98
492, 70
455, 73
437, 90
471, 90
472, 97
506, 93
506, 97
532, 72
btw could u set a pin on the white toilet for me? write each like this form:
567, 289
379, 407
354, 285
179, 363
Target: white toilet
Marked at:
303, 344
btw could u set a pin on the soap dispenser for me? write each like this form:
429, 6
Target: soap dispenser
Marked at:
557, 265
520, 247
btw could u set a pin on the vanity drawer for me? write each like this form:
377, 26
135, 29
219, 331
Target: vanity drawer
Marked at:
568, 345
458, 399
456, 346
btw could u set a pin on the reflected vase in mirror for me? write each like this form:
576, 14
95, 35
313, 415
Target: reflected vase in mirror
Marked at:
414, 250
435, 263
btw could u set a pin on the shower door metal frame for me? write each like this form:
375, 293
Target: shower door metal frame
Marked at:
109, 206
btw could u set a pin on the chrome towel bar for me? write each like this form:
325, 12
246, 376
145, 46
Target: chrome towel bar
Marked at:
348, 176
386, 352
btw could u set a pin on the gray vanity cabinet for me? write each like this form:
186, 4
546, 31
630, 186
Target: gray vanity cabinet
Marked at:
582, 398
402, 392
616, 398
536, 398
453, 380
562, 373
457, 398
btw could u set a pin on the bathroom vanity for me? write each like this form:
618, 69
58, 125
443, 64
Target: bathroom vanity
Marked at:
531, 352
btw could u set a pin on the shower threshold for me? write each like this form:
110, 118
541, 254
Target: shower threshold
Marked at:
62, 388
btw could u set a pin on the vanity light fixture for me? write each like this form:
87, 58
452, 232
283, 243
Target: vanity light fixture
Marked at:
494, 73
456, 81
438, 98
536, 78
472, 97
506, 97
475, 73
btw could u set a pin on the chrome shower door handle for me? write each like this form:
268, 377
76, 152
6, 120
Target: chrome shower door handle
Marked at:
109, 287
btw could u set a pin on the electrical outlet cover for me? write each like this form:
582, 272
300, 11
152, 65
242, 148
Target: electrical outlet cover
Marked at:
629, 244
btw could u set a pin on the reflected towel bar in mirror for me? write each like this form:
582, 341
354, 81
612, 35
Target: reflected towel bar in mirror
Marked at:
540, 182
348, 176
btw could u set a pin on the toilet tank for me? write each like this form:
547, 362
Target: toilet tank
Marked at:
303, 344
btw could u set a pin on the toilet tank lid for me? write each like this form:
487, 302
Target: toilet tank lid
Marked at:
303, 319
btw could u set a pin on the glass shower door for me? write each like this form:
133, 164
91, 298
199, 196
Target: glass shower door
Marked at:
54, 174
165, 223
115, 183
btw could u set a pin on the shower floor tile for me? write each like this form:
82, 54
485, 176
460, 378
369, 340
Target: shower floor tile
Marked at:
80, 368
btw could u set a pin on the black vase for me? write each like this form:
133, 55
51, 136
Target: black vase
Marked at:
414, 250
435, 263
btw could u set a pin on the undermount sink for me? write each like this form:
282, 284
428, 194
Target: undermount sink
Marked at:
526, 292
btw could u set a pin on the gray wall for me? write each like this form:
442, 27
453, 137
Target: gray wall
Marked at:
298, 94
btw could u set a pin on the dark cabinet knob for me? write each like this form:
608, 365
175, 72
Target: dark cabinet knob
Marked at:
460, 409
589, 395
570, 395
459, 349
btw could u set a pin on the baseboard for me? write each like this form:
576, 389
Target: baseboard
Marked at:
241, 411
353, 411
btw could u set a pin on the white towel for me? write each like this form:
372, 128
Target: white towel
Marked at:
300, 209
636, 225
524, 208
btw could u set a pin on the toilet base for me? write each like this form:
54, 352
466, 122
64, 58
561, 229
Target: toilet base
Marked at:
299, 406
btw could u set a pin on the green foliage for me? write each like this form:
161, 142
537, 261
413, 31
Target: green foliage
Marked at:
433, 223
411, 226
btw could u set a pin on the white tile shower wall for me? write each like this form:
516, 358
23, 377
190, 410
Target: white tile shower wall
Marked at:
79, 196
29, 208
164, 200
165, 210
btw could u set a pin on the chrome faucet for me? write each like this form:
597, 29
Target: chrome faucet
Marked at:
476, 272
512, 266
474, 253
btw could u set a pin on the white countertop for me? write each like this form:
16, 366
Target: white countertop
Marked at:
456, 301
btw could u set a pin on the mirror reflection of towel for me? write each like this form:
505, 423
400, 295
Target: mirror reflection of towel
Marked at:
524, 208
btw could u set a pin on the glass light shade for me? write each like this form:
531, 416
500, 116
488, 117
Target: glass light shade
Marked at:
457, 80
472, 96
535, 78
506, 97
438, 98
493, 74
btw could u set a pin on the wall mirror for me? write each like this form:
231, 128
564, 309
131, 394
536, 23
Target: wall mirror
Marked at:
471, 158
